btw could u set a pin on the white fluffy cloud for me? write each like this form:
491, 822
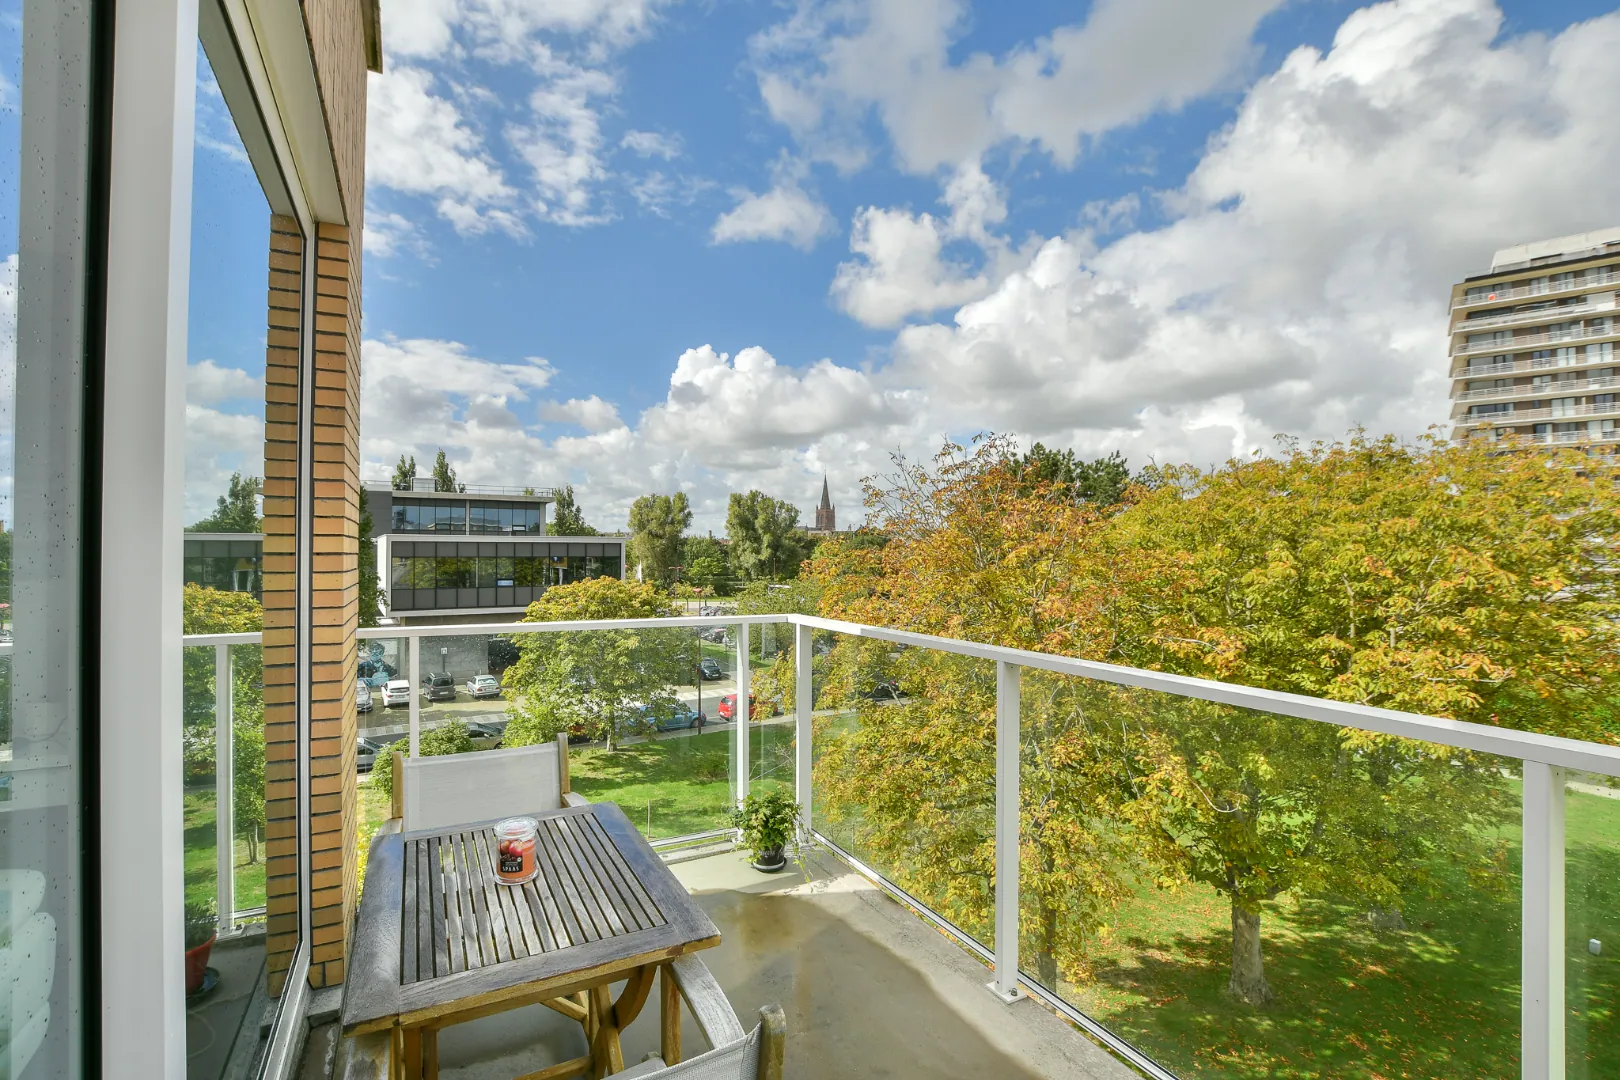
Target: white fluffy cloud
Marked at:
828, 67
1300, 286
208, 383
421, 138
785, 212
419, 143
591, 413
652, 144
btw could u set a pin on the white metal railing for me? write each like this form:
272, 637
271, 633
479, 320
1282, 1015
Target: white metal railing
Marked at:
1538, 390
1546, 288
1544, 758
1530, 341
1540, 363
1550, 313
473, 489
1523, 416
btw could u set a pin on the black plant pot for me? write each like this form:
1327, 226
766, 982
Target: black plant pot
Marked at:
770, 860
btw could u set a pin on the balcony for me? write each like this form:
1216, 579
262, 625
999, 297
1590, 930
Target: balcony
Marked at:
1550, 313
1521, 869
1544, 390
1519, 367
1526, 292
1525, 416
1532, 341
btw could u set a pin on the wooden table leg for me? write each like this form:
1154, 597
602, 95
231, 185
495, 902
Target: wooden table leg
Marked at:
607, 1057
396, 1054
430, 1054
669, 1016
413, 1054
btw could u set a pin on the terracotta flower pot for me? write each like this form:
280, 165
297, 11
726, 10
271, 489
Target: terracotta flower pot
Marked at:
197, 965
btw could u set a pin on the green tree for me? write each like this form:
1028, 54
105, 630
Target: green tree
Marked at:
657, 523
706, 564
368, 566
405, 473
444, 477
5, 564
566, 518
766, 542
1102, 481
597, 682
237, 510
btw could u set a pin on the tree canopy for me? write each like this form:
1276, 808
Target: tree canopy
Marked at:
369, 603
566, 516
237, 510
657, 523
601, 683
1102, 481
766, 541
404, 473
1425, 577
706, 564
444, 477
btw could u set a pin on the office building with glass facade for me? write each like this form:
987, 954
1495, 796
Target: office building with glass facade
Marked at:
479, 554
232, 562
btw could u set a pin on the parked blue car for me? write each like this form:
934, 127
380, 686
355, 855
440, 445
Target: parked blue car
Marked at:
679, 718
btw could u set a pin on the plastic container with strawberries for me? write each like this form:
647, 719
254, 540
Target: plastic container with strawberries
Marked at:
514, 851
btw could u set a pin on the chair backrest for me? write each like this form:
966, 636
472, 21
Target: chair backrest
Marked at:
756, 1056
453, 789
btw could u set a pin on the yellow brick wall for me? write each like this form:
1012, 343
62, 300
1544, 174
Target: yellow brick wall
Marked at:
280, 583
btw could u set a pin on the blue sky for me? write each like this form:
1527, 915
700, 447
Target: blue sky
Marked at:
645, 244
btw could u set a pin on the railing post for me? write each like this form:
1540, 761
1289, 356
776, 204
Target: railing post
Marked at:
1005, 986
741, 715
413, 663
1541, 1035
803, 705
224, 789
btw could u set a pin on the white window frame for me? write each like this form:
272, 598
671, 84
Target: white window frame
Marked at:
154, 59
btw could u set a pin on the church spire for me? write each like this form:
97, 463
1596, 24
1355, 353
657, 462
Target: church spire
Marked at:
826, 518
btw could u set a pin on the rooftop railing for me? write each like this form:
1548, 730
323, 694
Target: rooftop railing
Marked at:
473, 489
949, 773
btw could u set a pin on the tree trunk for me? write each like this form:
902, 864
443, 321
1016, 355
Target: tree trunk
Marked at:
1248, 982
1046, 967
253, 845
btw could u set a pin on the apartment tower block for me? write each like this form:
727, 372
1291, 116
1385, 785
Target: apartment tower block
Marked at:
1533, 344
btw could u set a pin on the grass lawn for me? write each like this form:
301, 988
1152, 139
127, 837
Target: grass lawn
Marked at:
671, 786
1440, 999
201, 874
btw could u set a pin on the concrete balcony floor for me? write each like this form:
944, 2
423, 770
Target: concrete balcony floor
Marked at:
869, 989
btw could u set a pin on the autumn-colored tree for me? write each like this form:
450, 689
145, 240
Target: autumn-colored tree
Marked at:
974, 552
600, 682
1431, 578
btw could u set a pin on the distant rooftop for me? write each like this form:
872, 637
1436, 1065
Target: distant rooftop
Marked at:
1558, 247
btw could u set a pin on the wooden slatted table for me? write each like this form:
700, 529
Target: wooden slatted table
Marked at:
439, 941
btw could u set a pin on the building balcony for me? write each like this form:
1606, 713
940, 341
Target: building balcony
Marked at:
1550, 313
1469, 372
1526, 416
1533, 341
1528, 292
1545, 390
874, 987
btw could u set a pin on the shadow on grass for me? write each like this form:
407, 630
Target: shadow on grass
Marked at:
1439, 999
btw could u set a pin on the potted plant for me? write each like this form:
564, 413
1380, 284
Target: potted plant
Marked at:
766, 823
202, 926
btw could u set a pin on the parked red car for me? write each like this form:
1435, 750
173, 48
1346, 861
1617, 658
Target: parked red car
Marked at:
756, 709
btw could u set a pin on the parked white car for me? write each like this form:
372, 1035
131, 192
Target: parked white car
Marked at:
483, 686
362, 697
396, 692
